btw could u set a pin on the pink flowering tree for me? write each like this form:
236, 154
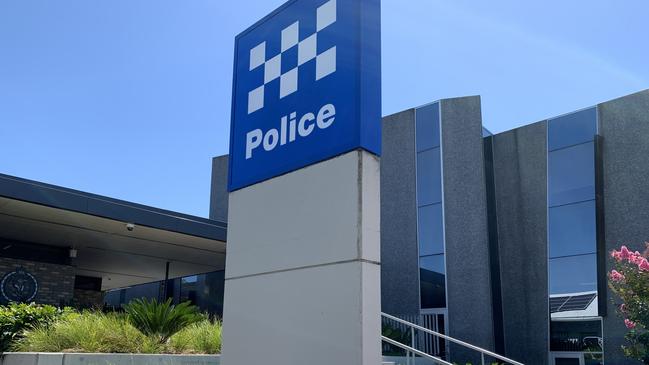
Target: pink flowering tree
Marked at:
630, 281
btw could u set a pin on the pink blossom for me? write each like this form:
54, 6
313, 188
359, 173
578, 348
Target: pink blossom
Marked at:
616, 275
643, 265
629, 324
616, 255
636, 258
624, 253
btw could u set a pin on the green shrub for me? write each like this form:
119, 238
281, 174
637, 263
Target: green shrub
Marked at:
15, 318
88, 332
199, 338
161, 319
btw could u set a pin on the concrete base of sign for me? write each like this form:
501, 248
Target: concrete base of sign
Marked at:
303, 267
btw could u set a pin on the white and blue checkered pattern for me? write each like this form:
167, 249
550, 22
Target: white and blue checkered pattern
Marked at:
306, 51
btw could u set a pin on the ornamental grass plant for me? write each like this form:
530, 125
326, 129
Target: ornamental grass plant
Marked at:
199, 338
88, 332
97, 332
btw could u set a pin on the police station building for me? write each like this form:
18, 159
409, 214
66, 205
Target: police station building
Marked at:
326, 218
502, 240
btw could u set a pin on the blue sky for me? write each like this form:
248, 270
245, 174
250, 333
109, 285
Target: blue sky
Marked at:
131, 98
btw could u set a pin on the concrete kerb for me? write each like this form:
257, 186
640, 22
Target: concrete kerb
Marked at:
44, 358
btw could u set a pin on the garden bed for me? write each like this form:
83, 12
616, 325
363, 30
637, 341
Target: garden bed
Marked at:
147, 327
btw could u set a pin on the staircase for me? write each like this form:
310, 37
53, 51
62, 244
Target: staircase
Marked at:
413, 353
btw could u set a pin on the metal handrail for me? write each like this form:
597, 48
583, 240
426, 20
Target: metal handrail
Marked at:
437, 360
468, 345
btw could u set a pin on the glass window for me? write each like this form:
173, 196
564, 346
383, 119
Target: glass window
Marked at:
576, 336
574, 274
427, 127
150, 290
113, 298
572, 129
566, 361
204, 291
432, 280
431, 238
572, 229
593, 359
188, 288
429, 182
571, 174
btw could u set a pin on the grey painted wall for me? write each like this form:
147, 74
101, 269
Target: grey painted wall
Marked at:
624, 126
465, 221
520, 167
399, 251
219, 190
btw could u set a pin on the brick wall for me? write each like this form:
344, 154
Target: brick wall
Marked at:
88, 299
55, 282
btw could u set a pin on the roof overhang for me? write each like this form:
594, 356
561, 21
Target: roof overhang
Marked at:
96, 227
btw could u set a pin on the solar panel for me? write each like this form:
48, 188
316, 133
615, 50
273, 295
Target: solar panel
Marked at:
556, 303
578, 303
571, 303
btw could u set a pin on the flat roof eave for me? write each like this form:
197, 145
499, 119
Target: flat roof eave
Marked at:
31, 191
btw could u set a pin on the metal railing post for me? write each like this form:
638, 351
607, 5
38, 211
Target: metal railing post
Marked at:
482, 355
412, 343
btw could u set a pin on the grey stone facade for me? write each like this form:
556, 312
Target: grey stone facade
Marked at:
399, 248
624, 126
520, 170
468, 281
219, 190
55, 282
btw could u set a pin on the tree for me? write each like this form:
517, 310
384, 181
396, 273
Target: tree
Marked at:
630, 281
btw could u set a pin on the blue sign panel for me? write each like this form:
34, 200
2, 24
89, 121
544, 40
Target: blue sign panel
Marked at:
307, 87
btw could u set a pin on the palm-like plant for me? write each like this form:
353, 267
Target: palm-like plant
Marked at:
161, 319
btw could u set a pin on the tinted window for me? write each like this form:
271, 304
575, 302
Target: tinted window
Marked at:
572, 129
150, 290
570, 336
427, 126
572, 229
573, 274
431, 238
429, 188
113, 298
571, 174
188, 286
205, 291
432, 281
